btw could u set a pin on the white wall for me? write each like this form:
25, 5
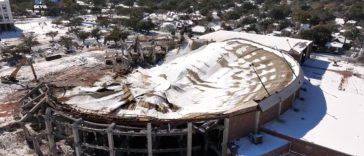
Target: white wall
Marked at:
6, 16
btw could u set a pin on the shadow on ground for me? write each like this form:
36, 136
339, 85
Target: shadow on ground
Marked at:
309, 109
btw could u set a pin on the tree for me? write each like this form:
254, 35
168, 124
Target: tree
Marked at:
99, 3
74, 22
103, 21
96, 33
145, 25
266, 25
69, 8
52, 34
355, 11
116, 35
320, 35
83, 35
353, 34
300, 16
280, 12
28, 41
66, 41
129, 3
231, 15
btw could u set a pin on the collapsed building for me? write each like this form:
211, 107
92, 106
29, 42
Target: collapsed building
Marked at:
194, 103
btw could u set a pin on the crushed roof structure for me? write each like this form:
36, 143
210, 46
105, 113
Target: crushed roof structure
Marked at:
216, 79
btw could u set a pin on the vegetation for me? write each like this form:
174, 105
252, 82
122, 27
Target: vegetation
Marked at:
96, 33
66, 41
83, 35
320, 35
27, 42
52, 34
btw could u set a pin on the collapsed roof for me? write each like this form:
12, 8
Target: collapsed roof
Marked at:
215, 79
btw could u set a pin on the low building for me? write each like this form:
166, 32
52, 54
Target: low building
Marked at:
6, 17
336, 47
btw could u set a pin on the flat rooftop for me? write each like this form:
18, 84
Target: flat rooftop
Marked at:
331, 112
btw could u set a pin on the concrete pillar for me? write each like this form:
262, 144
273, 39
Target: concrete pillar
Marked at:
110, 139
280, 107
225, 137
76, 136
189, 139
49, 129
293, 97
149, 139
257, 120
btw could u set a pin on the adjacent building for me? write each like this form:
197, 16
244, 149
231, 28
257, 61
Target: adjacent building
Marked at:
6, 18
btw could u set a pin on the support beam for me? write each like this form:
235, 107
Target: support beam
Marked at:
293, 97
33, 110
76, 136
149, 139
257, 120
225, 137
280, 107
189, 139
110, 138
49, 129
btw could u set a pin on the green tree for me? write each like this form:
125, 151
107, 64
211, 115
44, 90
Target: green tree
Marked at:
320, 35
103, 22
300, 16
28, 41
74, 22
66, 41
145, 25
52, 34
96, 33
83, 35
280, 12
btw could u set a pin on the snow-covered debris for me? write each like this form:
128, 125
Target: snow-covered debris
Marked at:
339, 21
199, 29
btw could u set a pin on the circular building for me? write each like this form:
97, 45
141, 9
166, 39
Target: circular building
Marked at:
192, 103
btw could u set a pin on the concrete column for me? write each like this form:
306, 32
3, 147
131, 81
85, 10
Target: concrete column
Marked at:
189, 139
225, 137
110, 139
76, 136
280, 107
49, 129
293, 97
149, 139
257, 120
